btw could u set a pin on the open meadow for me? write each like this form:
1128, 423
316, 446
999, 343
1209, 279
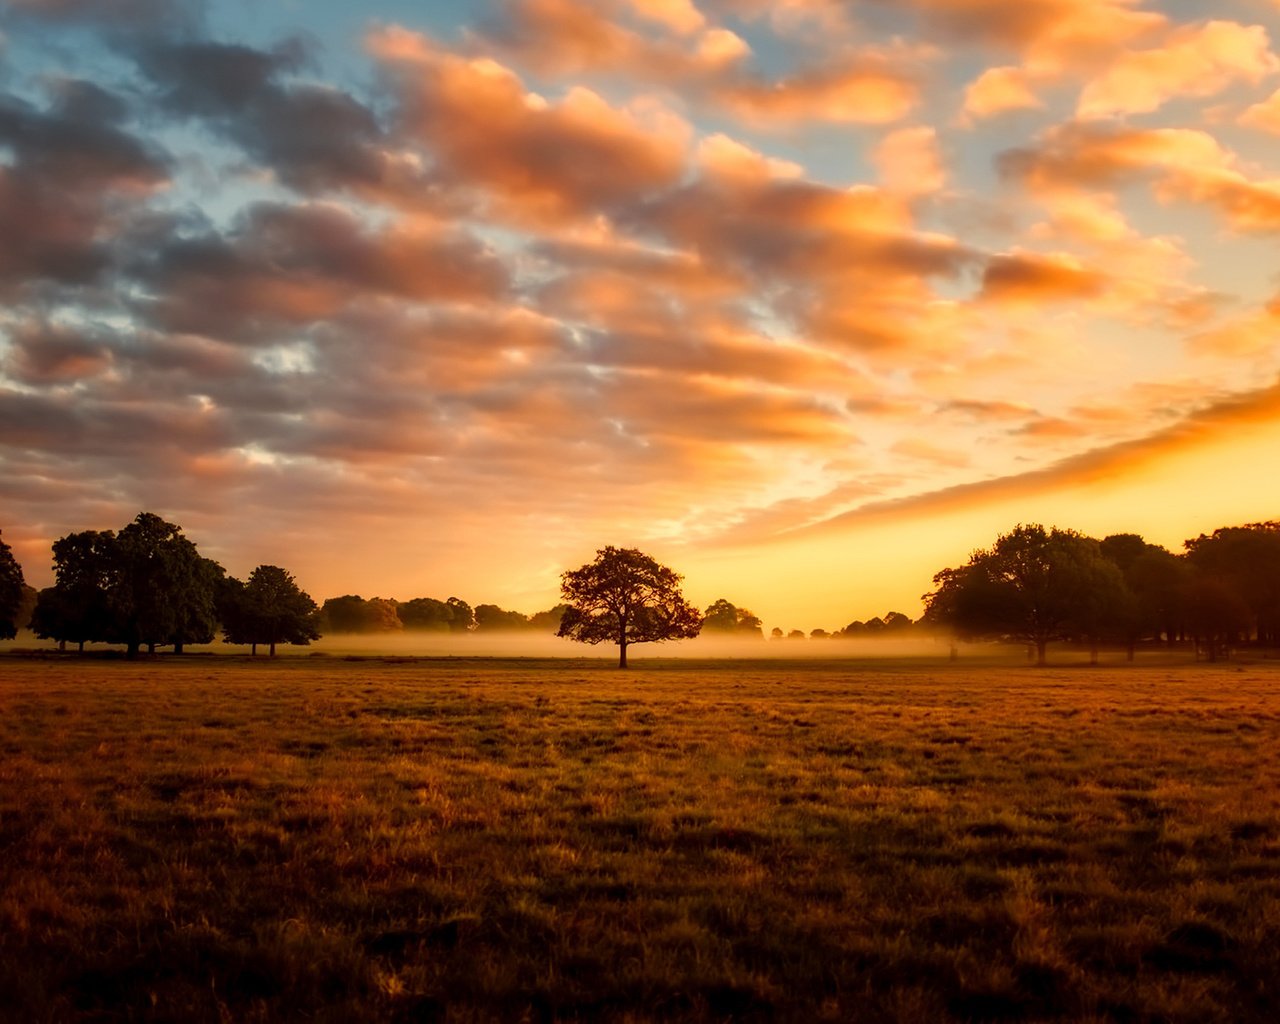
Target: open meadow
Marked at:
320, 838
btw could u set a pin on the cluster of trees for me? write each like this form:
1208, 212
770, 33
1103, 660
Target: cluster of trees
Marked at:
354, 614
1037, 586
148, 586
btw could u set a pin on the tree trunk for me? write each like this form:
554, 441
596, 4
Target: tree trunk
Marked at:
273, 648
81, 648
253, 649
151, 648
177, 647
62, 645
1041, 645
131, 651
622, 654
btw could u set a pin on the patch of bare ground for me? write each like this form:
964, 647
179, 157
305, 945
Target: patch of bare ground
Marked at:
218, 839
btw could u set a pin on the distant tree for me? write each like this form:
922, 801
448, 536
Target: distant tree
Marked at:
796, 634
818, 634
463, 619
625, 597
1033, 586
897, 622
548, 621
1246, 560
425, 613
725, 617
1157, 580
273, 610
1216, 615
27, 606
11, 592
351, 613
77, 608
159, 583
775, 633
854, 629
492, 619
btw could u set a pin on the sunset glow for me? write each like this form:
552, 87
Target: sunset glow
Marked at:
809, 299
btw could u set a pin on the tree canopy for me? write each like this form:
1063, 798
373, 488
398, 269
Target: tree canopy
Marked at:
724, 617
271, 609
625, 597
1032, 585
11, 592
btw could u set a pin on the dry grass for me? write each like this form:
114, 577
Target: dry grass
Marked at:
326, 839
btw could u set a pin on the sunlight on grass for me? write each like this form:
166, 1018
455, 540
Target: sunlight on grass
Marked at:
692, 841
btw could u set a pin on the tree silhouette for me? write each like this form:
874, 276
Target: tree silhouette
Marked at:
492, 619
76, 609
1245, 560
725, 617
11, 592
625, 597
1157, 579
1033, 585
272, 609
159, 585
351, 613
425, 613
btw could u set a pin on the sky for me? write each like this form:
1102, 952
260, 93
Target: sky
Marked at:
808, 299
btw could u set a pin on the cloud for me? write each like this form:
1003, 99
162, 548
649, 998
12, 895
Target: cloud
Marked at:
534, 159
313, 137
609, 38
998, 90
1264, 116
1047, 34
136, 15
909, 161
1216, 417
1025, 277
869, 90
73, 165
297, 264
680, 16
1194, 61
1183, 165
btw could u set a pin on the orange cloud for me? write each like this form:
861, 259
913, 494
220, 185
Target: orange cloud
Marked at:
909, 161
535, 160
998, 90
1264, 116
1032, 278
873, 91
1184, 164
1247, 337
1048, 34
1194, 61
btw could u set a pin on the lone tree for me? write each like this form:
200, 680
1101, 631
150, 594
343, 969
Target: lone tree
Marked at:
625, 597
11, 592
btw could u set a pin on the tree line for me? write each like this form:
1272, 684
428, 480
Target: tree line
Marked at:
147, 586
1037, 586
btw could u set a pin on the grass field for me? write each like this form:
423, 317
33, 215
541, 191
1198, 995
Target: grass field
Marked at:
210, 839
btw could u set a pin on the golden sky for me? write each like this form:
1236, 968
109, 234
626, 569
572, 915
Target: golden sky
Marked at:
809, 298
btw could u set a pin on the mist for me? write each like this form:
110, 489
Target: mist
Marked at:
523, 644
